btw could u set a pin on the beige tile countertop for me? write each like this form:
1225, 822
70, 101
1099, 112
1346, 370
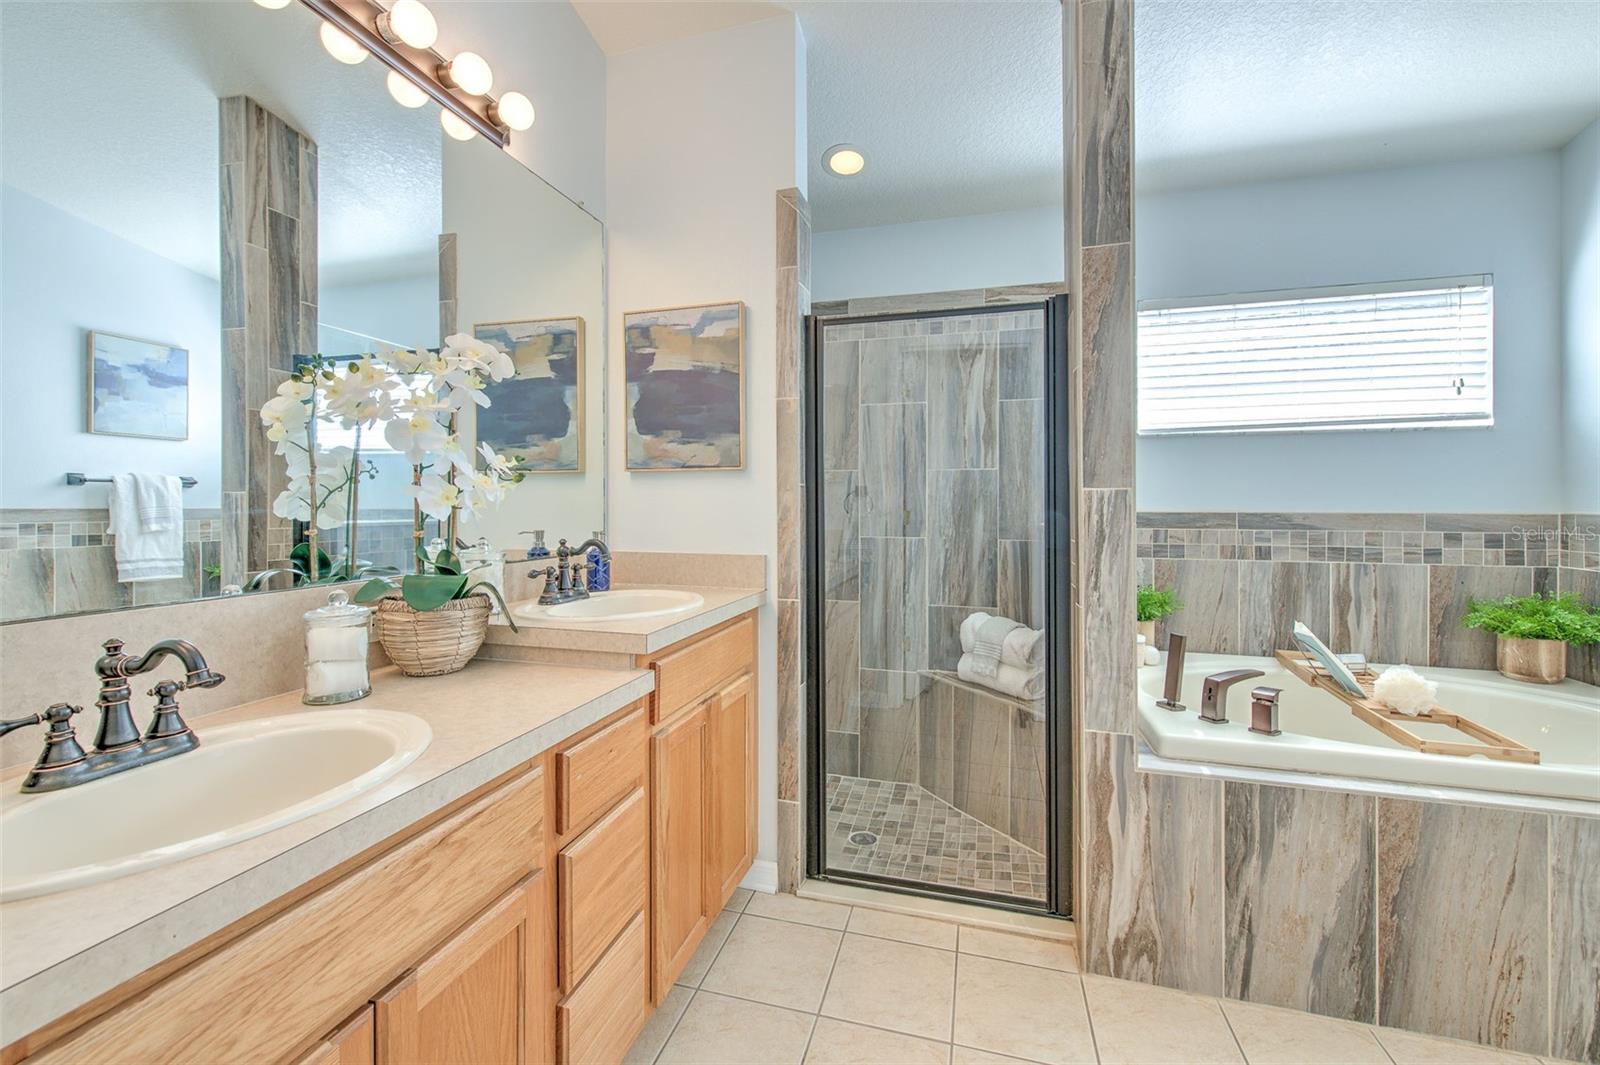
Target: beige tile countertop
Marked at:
60, 951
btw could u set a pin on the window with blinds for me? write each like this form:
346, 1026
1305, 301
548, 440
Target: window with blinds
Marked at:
1397, 355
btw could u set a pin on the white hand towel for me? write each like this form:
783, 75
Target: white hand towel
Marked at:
1007, 679
153, 551
1023, 647
987, 643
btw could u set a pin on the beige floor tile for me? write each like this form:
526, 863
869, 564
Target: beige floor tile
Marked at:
706, 952
717, 1030
973, 1056
1411, 1048
1021, 1010
904, 927
899, 986
1272, 1036
775, 962
659, 1026
841, 1043
1136, 1022
1049, 953
739, 900
801, 911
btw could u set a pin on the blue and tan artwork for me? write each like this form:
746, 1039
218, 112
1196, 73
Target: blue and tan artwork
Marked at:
138, 387
537, 415
686, 388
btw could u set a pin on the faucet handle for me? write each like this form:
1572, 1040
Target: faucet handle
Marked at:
167, 720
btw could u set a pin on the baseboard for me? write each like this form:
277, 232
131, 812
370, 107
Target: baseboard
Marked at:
762, 877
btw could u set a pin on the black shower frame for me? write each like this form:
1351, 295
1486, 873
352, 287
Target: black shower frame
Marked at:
1057, 596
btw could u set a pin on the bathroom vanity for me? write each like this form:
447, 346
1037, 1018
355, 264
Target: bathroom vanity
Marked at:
527, 890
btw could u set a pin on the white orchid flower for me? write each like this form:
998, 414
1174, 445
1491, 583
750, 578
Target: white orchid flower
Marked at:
480, 355
284, 415
369, 374
294, 388
494, 462
436, 496
416, 436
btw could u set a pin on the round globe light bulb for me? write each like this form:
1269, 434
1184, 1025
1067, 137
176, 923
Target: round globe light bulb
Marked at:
404, 92
513, 110
273, 5
341, 45
469, 73
411, 22
455, 127
844, 160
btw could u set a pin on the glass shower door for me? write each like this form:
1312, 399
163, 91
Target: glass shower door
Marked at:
929, 461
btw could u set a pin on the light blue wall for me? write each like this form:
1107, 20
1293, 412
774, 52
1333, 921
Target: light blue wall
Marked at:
1499, 216
945, 254
59, 278
1580, 263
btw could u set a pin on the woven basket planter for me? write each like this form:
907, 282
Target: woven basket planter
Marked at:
430, 643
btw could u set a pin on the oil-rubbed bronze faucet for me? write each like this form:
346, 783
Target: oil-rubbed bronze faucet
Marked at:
117, 743
568, 580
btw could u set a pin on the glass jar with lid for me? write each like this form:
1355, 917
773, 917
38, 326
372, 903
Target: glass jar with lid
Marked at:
336, 652
483, 562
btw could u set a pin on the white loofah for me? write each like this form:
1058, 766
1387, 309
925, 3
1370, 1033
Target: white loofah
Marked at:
1406, 690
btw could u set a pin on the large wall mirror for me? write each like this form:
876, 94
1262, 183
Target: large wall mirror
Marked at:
194, 197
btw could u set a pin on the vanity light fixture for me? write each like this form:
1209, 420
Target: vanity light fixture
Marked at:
468, 72
513, 110
417, 72
273, 5
405, 94
341, 45
844, 159
409, 22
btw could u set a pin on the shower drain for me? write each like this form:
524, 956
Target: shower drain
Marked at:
863, 839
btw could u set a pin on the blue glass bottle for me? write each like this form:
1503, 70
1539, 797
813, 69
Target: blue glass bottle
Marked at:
599, 568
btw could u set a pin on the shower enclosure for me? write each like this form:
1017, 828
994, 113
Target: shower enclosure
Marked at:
936, 491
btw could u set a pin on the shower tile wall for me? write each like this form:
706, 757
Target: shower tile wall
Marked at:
933, 466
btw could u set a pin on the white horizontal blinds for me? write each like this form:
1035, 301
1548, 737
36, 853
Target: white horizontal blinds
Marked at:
1383, 356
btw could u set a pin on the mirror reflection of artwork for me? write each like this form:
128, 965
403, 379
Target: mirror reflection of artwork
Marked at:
537, 416
685, 370
138, 387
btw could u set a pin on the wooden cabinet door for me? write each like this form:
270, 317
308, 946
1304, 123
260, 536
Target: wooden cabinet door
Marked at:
731, 788
478, 997
679, 846
353, 1043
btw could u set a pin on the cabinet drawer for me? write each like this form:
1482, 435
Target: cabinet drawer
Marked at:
304, 969
599, 1020
685, 676
602, 882
595, 773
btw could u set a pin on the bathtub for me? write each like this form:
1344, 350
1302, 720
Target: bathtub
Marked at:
1320, 735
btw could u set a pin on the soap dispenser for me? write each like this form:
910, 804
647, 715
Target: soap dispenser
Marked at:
599, 571
537, 550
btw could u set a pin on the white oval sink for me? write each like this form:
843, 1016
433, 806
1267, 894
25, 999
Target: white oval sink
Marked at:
242, 781
629, 605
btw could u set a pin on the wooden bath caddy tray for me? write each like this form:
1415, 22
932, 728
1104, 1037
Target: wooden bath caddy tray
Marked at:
1388, 720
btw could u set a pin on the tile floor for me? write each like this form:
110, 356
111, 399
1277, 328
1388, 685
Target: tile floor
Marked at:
923, 838
780, 979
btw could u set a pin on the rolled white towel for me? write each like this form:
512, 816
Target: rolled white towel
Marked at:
1023, 647
1008, 679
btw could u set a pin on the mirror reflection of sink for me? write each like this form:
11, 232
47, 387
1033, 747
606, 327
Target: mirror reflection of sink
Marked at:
244, 780
629, 605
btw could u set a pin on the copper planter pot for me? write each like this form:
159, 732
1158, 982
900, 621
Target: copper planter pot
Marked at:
1535, 661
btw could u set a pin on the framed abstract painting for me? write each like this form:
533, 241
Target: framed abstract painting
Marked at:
137, 387
536, 416
685, 377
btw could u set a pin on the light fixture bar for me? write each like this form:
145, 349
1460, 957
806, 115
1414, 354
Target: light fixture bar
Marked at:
359, 19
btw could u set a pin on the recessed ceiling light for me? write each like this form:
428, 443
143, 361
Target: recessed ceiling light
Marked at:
844, 160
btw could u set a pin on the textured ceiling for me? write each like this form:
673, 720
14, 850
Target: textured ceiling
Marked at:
956, 106
619, 26
1235, 90
108, 110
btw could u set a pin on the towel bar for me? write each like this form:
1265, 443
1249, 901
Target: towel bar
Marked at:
78, 478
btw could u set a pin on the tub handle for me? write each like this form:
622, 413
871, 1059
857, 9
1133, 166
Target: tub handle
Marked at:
1264, 710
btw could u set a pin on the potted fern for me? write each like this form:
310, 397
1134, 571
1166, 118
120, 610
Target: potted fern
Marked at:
1154, 604
1532, 633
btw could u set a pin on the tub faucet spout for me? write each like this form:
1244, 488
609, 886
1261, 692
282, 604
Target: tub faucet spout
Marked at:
1214, 696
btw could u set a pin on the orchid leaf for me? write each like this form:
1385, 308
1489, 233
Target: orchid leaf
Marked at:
430, 591
374, 590
447, 562
494, 593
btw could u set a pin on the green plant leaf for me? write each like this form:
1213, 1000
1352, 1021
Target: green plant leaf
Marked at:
1536, 617
1156, 603
447, 562
374, 590
494, 592
300, 558
430, 591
